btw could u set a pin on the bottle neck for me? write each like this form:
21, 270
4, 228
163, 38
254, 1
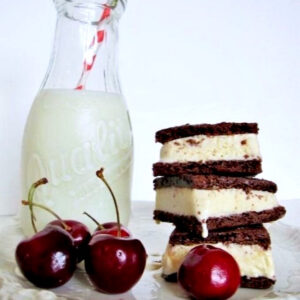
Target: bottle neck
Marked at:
85, 49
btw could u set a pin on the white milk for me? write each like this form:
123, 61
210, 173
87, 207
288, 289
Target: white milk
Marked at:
68, 136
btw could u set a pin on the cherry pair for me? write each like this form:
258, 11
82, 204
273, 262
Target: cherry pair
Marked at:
48, 259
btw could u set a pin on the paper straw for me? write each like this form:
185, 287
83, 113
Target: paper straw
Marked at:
91, 53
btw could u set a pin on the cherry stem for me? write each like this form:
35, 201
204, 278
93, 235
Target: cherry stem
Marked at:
30, 200
66, 227
100, 226
99, 174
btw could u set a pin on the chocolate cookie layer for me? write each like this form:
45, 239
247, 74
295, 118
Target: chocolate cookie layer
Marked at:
215, 182
246, 282
252, 235
221, 167
172, 133
256, 282
191, 223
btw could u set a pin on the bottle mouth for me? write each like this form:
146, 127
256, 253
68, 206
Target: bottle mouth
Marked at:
88, 11
110, 3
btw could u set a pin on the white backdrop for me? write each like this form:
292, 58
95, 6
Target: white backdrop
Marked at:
181, 62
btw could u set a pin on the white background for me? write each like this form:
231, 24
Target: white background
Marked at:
190, 61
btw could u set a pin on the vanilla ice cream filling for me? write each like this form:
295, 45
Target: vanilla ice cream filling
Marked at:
210, 148
253, 260
204, 204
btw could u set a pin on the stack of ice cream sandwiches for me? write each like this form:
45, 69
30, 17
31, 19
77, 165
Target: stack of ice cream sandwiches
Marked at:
205, 187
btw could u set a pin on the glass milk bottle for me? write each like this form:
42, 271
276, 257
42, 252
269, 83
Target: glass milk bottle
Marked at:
79, 121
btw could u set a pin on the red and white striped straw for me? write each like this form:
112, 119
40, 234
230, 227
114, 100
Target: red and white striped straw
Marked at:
91, 53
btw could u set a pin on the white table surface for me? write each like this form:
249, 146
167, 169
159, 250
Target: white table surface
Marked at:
286, 240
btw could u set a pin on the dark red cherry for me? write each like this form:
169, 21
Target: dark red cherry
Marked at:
48, 258
80, 234
209, 273
114, 264
113, 229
